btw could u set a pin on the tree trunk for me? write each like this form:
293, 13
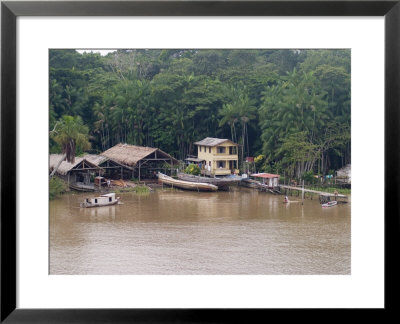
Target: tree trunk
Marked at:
322, 164
58, 165
247, 140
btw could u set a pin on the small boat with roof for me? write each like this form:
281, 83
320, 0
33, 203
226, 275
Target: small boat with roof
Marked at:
103, 200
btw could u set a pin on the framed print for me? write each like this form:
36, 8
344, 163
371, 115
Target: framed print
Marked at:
274, 96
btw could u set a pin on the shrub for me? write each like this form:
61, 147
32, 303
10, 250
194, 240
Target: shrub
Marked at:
141, 189
192, 169
308, 177
56, 187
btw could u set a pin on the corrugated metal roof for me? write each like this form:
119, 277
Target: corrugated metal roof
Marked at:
265, 175
211, 141
194, 160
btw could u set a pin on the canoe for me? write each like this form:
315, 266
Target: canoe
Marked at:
330, 204
222, 183
78, 186
100, 201
187, 185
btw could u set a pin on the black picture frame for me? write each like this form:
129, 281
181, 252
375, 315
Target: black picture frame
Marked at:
10, 10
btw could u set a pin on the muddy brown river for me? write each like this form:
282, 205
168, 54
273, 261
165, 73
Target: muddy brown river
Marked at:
242, 231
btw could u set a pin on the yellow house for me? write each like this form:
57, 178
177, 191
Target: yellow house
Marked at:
220, 156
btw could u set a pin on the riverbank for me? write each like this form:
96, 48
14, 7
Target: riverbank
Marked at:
343, 191
324, 194
58, 187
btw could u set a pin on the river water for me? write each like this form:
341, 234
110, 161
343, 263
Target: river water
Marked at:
242, 231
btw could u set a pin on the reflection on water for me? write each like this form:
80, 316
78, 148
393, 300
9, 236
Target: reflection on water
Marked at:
179, 232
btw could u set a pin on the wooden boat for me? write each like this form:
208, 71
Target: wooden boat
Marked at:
103, 200
222, 183
250, 183
330, 203
188, 185
79, 186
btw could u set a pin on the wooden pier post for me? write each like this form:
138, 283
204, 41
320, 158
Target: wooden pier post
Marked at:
302, 194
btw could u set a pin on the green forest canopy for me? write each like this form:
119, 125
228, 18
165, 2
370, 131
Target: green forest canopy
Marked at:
288, 108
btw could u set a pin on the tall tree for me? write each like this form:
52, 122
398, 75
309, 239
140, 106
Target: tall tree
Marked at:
70, 134
229, 117
172, 98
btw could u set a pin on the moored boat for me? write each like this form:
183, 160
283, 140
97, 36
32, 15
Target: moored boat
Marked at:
188, 185
222, 183
330, 203
250, 183
103, 200
78, 186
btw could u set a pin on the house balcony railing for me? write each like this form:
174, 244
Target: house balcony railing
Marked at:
221, 171
227, 155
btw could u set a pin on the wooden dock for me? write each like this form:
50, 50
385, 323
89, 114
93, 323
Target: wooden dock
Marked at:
321, 193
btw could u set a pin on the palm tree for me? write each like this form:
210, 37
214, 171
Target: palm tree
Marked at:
247, 112
230, 118
70, 133
101, 123
118, 118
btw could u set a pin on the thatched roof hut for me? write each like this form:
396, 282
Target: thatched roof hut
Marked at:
344, 174
130, 155
65, 167
122, 161
95, 159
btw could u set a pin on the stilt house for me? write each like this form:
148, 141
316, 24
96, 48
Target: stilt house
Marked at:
271, 180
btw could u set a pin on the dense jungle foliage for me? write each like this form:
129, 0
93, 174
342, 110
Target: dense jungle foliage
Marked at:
290, 109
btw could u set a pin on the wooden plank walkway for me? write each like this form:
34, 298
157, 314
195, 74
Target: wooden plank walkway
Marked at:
321, 193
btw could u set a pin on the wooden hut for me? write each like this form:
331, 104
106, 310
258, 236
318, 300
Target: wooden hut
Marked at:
268, 179
343, 175
145, 162
79, 175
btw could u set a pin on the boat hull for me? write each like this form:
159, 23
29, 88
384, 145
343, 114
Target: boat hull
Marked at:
84, 188
186, 185
221, 183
